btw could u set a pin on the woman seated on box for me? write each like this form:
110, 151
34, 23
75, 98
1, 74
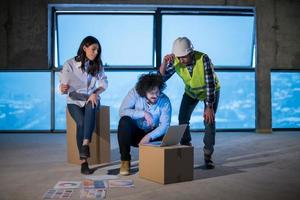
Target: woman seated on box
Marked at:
82, 79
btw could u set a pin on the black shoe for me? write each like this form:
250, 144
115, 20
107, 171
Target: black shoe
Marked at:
85, 152
85, 169
209, 164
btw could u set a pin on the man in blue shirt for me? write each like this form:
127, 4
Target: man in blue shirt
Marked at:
145, 116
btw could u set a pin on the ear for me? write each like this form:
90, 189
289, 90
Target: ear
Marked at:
84, 48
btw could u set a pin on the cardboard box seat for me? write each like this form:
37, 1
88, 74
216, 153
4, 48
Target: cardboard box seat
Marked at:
100, 145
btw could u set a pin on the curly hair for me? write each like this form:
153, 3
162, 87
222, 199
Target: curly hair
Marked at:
148, 82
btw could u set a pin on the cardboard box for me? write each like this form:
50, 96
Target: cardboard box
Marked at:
166, 164
100, 146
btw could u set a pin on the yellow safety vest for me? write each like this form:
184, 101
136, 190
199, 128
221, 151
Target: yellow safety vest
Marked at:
195, 86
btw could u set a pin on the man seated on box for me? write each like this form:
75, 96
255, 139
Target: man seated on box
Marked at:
145, 116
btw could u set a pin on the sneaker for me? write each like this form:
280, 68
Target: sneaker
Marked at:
85, 152
85, 169
209, 164
125, 167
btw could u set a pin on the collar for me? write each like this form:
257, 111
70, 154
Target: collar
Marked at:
78, 64
193, 62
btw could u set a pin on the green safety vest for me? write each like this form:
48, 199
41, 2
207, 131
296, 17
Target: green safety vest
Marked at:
195, 86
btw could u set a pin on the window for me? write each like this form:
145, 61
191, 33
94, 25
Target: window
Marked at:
25, 101
227, 37
31, 110
285, 94
126, 40
134, 39
227, 40
237, 100
119, 86
236, 109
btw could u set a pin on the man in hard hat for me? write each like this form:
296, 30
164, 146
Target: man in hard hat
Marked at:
201, 84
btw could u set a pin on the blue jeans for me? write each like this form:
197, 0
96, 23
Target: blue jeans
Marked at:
85, 118
187, 107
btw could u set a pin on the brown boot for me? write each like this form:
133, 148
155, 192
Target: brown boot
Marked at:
125, 167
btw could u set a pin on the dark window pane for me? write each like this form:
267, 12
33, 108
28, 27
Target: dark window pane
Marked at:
285, 99
25, 101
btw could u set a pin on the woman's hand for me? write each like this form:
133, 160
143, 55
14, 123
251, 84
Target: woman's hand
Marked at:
93, 99
64, 88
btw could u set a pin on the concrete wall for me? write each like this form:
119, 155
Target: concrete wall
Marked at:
24, 35
23, 38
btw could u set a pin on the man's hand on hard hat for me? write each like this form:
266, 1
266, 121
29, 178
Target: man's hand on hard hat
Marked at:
168, 59
209, 115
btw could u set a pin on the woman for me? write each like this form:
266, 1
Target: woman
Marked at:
82, 79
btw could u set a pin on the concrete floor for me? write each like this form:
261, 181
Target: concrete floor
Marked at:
248, 166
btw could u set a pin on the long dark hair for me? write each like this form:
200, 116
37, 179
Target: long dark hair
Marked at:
94, 65
148, 82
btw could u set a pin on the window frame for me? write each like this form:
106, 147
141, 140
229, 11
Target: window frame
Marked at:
222, 67
52, 101
134, 67
157, 11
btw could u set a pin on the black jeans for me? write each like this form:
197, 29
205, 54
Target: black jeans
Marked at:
187, 107
129, 134
85, 118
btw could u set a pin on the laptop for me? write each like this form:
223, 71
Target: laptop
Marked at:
172, 137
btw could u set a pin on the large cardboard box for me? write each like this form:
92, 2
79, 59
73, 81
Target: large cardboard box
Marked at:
166, 164
100, 146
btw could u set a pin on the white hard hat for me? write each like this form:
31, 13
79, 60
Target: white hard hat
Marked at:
182, 46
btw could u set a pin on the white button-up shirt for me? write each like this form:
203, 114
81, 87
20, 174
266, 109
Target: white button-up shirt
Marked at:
80, 81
